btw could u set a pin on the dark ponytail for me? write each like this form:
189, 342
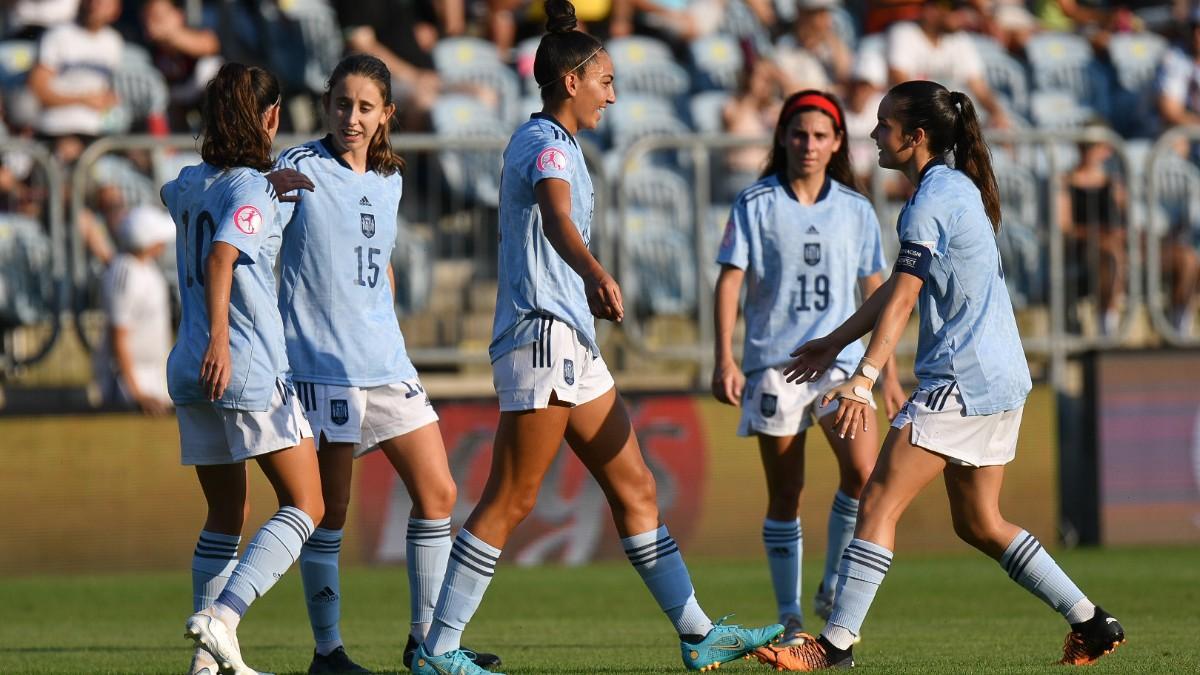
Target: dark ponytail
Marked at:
951, 125
231, 117
803, 101
380, 156
562, 50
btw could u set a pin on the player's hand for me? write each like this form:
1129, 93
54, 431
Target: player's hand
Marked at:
604, 296
215, 369
811, 360
728, 383
288, 180
854, 409
893, 396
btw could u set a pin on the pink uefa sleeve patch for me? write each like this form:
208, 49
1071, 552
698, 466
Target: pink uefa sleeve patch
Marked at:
247, 219
552, 159
727, 240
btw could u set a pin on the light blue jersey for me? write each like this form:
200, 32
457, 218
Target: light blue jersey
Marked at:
534, 280
968, 332
236, 206
338, 310
802, 266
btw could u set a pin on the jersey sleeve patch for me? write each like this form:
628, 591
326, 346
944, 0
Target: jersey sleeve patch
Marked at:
247, 219
551, 159
915, 258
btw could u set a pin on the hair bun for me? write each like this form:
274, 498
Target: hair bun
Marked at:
560, 16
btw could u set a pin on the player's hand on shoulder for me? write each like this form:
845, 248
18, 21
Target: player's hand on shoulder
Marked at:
604, 296
728, 383
215, 368
811, 359
289, 180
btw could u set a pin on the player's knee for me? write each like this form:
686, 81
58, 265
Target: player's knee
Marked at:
976, 532
519, 506
435, 501
334, 517
313, 506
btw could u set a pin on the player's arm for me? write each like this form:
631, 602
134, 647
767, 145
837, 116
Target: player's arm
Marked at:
728, 381
893, 393
118, 337
218, 272
603, 293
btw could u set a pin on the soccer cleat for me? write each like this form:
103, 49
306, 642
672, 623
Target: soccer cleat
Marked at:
202, 664
213, 636
1091, 639
457, 662
815, 654
481, 659
793, 633
823, 602
336, 661
726, 642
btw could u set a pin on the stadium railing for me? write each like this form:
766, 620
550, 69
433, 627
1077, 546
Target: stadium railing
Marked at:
1159, 229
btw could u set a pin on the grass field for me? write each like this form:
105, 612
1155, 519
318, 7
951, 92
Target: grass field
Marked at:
953, 614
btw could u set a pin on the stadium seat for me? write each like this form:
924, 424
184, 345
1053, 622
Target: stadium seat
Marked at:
412, 261
526, 52
1020, 247
646, 66
473, 61
141, 90
706, 111
1064, 62
474, 174
1178, 204
663, 279
1135, 56
717, 61
321, 40
1058, 110
661, 190
26, 274
16, 59
136, 188
637, 116
1004, 74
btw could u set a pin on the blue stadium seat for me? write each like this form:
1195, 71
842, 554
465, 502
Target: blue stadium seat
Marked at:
1064, 62
412, 261
1178, 205
141, 90
321, 40
1135, 56
472, 174
16, 59
136, 187
473, 61
664, 274
646, 66
26, 274
1058, 110
636, 116
1004, 74
1019, 242
717, 61
706, 111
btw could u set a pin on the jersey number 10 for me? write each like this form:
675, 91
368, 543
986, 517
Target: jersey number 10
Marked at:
195, 262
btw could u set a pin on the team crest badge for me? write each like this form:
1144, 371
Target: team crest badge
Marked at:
569, 371
339, 411
812, 253
769, 404
368, 224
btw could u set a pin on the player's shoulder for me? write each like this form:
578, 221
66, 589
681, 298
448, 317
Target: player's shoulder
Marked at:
538, 133
759, 193
244, 183
848, 194
294, 155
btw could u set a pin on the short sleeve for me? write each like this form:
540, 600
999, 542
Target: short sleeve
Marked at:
735, 243
552, 161
920, 224
118, 293
250, 206
50, 49
870, 257
1172, 78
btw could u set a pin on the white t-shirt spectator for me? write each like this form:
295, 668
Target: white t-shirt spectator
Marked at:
952, 61
83, 63
45, 13
1179, 79
134, 296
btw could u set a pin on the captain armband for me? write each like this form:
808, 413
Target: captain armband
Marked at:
915, 258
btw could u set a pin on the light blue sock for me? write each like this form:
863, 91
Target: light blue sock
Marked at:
863, 567
269, 554
843, 516
322, 592
212, 563
470, 570
656, 558
1028, 564
784, 543
427, 551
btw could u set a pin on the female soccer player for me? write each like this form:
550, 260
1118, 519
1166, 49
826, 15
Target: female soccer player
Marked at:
550, 378
804, 237
962, 422
354, 377
228, 373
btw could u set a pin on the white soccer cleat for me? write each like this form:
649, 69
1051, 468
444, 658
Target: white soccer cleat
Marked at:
202, 663
213, 636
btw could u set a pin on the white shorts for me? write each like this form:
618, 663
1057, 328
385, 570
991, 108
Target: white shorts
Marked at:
365, 416
940, 424
775, 407
209, 434
557, 362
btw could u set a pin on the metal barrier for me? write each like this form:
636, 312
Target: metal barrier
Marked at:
58, 241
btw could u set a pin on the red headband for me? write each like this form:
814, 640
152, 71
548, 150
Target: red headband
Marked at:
820, 103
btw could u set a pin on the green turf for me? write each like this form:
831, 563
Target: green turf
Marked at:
934, 615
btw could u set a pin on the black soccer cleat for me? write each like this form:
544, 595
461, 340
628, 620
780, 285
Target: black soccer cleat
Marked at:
481, 659
1091, 639
336, 661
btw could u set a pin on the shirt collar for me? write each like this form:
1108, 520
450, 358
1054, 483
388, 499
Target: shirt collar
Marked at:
327, 143
550, 118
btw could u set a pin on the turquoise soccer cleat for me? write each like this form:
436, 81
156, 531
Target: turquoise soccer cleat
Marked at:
457, 662
726, 642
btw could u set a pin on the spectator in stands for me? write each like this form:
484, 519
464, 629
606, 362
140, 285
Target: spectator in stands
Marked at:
752, 111
679, 21
1181, 269
187, 57
1091, 208
73, 77
405, 46
1178, 81
509, 20
815, 33
99, 225
29, 19
879, 15
935, 48
131, 365
864, 90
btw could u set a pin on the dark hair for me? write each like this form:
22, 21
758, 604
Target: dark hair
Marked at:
562, 50
231, 117
950, 124
839, 164
380, 156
